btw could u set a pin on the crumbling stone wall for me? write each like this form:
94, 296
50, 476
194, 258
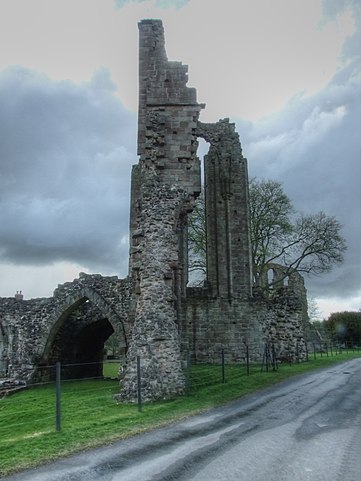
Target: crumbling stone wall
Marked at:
152, 311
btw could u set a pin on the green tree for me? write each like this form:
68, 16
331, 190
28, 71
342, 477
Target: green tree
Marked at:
309, 244
345, 327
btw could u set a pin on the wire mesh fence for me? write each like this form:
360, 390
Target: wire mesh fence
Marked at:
57, 399
200, 375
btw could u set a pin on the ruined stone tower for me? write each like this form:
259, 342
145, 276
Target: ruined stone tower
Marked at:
152, 312
171, 320
165, 184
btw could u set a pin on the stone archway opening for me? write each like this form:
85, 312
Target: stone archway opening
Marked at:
78, 343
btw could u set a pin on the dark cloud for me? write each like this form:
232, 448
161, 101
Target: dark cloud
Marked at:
65, 157
313, 146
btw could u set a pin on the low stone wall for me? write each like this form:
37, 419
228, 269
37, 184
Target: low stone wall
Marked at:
213, 324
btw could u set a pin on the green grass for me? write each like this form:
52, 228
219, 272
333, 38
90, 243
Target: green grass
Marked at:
111, 369
91, 417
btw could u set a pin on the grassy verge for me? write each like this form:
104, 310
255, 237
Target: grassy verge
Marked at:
91, 417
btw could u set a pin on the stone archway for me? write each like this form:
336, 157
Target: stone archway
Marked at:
77, 341
70, 327
78, 334
77, 330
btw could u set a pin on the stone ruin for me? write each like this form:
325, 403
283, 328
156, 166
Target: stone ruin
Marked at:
153, 312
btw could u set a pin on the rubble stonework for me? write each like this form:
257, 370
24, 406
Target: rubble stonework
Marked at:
152, 312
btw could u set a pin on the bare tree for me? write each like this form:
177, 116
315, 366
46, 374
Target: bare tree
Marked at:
197, 239
310, 244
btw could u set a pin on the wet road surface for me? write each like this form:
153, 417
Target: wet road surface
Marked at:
308, 428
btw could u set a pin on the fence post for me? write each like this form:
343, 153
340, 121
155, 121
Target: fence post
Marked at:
139, 386
189, 372
247, 358
266, 362
58, 396
265, 359
274, 358
223, 375
289, 354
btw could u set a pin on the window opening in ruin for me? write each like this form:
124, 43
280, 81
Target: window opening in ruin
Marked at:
114, 356
270, 278
286, 281
197, 257
112, 348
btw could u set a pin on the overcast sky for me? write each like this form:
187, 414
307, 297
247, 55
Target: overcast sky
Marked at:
288, 72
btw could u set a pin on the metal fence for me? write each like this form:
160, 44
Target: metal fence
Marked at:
59, 387
62, 389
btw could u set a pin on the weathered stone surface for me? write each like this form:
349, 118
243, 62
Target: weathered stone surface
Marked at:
229, 271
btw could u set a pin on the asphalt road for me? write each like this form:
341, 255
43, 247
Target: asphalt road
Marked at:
307, 428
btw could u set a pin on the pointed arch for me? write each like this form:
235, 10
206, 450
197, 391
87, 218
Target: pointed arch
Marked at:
76, 331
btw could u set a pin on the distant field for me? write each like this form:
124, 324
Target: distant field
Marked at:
91, 416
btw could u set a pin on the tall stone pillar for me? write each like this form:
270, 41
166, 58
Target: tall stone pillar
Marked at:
165, 184
229, 267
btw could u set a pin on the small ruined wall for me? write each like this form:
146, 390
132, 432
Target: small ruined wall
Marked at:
277, 317
22, 327
213, 324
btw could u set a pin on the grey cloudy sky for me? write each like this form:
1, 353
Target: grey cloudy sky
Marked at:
286, 71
